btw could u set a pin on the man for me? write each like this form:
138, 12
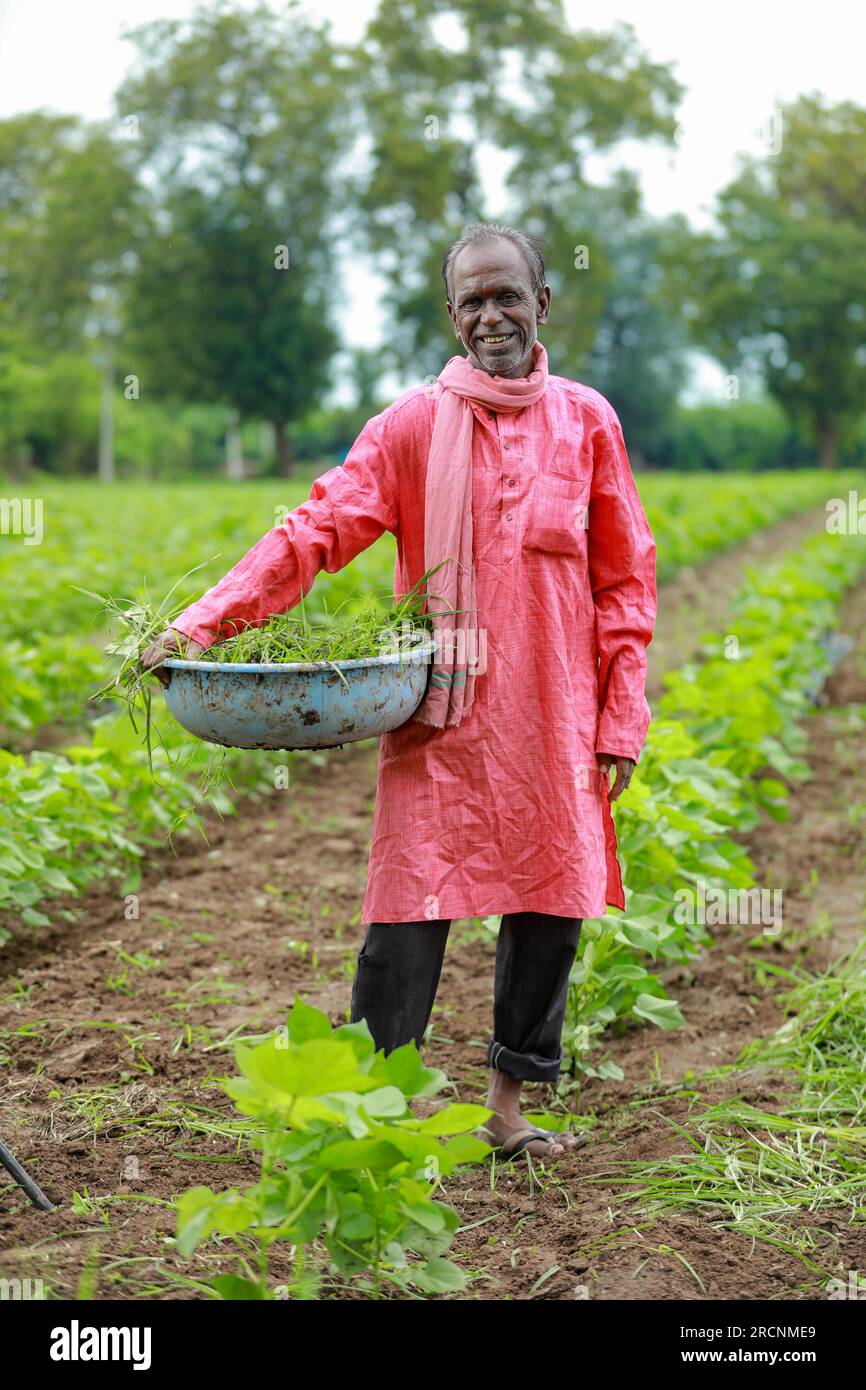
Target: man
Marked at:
493, 798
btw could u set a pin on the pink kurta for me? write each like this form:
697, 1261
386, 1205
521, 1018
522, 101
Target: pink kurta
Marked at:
506, 811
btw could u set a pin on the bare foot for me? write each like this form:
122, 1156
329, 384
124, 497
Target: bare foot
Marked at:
571, 1141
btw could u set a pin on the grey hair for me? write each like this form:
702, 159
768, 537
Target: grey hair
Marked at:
479, 233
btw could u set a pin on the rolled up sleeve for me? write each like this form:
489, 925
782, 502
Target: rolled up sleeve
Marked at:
349, 507
622, 573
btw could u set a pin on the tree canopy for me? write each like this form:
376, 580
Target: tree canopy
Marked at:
205, 237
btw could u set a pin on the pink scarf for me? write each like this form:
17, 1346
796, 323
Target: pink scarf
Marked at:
448, 528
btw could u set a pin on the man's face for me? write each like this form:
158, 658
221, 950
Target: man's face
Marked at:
493, 308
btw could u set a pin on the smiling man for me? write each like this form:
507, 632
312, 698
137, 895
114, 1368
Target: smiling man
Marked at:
494, 797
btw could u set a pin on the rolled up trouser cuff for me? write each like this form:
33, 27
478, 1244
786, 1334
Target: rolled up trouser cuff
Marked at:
523, 1066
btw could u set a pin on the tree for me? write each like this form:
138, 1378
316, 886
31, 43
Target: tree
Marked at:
70, 214
242, 126
365, 372
513, 88
638, 357
71, 217
216, 321
782, 285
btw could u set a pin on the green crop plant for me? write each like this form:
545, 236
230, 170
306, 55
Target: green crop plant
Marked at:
349, 1176
89, 809
54, 667
721, 724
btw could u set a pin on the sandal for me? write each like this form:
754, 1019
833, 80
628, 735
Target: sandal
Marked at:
517, 1142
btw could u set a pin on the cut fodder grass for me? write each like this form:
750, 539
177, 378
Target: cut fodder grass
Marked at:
372, 630
378, 626
370, 633
124, 1112
775, 1176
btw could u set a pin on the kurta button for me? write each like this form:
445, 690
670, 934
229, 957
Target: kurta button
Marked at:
511, 482
506, 446
507, 516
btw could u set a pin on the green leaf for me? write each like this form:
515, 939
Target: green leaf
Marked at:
31, 918
305, 1023
55, 878
608, 1070
426, 1214
360, 1153
385, 1101
194, 1217
642, 937
231, 1286
312, 1068
665, 1013
455, 1119
439, 1276
404, 1068
359, 1035
466, 1148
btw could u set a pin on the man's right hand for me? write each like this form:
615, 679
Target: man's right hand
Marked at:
169, 643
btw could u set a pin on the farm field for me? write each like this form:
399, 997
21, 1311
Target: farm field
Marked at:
51, 661
116, 1028
560, 326
100, 788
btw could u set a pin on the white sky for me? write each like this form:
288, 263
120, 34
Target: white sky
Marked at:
738, 60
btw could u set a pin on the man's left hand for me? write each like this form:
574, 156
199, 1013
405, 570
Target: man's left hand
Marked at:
624, 769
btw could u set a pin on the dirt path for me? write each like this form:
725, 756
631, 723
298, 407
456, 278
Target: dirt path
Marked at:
115, 1036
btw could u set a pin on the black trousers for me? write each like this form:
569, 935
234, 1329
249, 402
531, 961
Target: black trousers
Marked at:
398, 970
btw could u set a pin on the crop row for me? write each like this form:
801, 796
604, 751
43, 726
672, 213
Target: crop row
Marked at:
90, 811
108, 541
725, 734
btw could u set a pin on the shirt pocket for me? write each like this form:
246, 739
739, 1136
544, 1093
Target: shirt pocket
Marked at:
569, 456
558, 514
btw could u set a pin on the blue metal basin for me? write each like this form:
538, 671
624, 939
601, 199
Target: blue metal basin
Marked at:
297, 705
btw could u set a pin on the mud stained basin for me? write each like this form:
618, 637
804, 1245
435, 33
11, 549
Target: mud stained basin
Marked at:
315, 704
